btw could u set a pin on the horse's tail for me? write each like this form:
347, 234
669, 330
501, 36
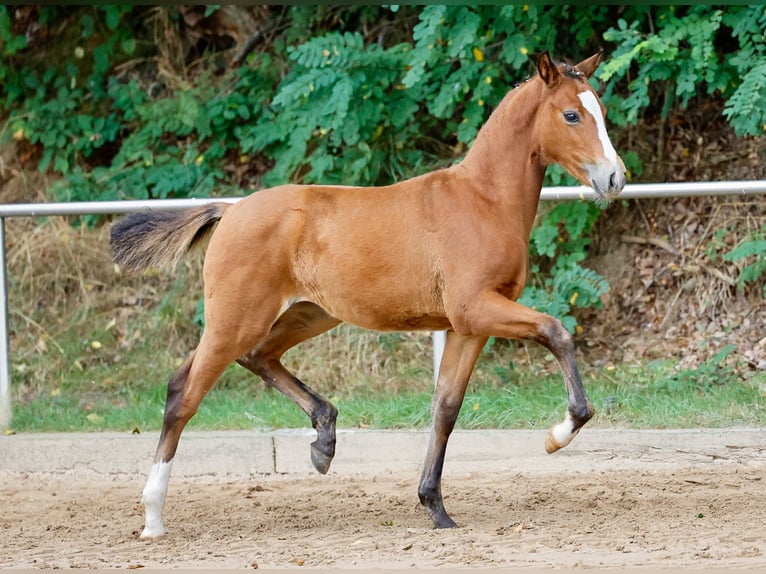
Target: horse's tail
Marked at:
157, 238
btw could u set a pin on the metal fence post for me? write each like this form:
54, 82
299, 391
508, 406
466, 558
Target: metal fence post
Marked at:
5, 363
440, 341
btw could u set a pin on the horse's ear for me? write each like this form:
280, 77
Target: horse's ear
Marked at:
548, 70
589, 66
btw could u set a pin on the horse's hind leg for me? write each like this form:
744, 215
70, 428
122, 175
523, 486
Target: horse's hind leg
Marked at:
186, 389
300, 322
460, 354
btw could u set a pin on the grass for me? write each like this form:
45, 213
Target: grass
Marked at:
653, 395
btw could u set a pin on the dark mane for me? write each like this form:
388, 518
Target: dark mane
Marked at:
571, 72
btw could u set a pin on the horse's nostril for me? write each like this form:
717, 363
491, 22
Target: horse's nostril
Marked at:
613, 180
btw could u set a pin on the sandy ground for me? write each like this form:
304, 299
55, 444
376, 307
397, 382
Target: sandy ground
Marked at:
686, 504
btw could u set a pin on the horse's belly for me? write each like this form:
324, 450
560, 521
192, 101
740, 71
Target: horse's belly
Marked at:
382, 314
412, 323
400, 307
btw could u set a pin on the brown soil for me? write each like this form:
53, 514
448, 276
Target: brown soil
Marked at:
671, 293
704, 516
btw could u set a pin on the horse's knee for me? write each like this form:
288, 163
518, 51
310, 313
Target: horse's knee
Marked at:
553, 335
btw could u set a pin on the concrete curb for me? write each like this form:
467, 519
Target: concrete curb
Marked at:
372, 452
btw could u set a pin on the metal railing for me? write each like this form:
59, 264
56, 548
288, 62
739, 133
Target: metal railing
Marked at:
634, 191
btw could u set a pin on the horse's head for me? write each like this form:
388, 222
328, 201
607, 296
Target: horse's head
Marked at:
571, 128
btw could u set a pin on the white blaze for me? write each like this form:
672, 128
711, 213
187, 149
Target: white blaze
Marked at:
591, 105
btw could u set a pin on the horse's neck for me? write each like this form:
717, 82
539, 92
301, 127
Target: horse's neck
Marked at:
503, 159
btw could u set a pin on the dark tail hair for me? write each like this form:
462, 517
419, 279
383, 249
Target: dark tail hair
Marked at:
158, 238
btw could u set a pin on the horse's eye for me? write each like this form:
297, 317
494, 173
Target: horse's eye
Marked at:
571, 117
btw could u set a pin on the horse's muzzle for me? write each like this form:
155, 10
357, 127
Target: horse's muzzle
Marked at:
606, 179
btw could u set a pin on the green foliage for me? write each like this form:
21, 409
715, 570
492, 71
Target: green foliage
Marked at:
680, 55
753, 249
112, 139
558, 283
746, 107
149, 163
348, 108
702, 379
10, 45
683, 55
65, 134
338, 115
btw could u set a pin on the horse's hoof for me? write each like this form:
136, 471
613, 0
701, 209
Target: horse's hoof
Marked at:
320, 460
435, 508
560, 436
551, 444
150, 534
445, 523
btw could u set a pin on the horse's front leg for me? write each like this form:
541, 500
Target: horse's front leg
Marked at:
496, 315
460, 354
579, 409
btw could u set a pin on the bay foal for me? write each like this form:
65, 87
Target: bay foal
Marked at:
445, 250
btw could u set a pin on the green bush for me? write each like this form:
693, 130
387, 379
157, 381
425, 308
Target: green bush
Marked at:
753, 251
557, 282
688, 52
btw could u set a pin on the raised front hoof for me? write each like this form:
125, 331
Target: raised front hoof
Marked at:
320, 460
551, 445
556, 440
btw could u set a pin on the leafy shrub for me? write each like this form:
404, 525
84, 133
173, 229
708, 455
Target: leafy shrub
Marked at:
684, 55
337, 115
746, 107
703, 379
753, 250
557, 281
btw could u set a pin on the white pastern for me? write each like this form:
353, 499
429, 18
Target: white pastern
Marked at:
563, 432
591, 105
153, 498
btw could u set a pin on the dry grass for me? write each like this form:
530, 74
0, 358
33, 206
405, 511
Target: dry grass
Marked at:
65, 293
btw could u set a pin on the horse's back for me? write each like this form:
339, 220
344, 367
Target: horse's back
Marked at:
363, 254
